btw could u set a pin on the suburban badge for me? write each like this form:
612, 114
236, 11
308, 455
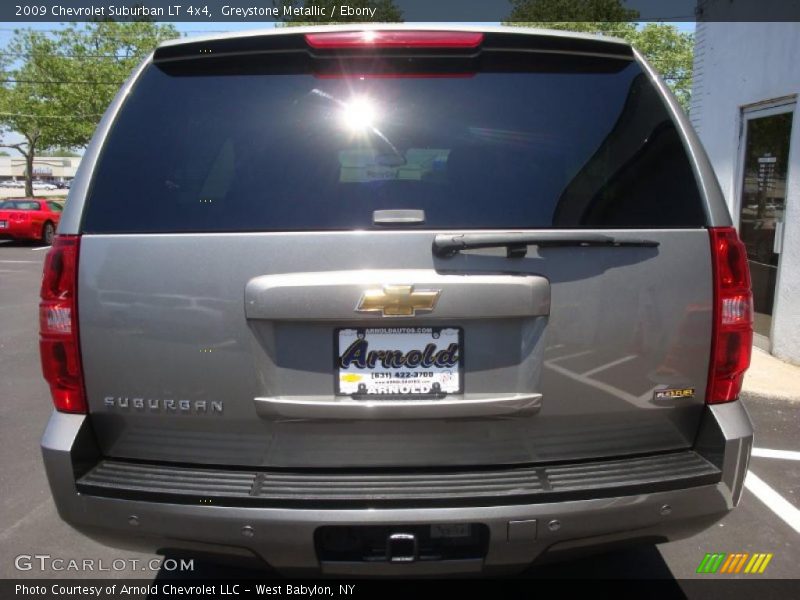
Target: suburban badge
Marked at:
169, 406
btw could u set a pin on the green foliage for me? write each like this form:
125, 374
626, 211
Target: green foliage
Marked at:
58, 152
385, 11
669, 50
570, 11
58, 85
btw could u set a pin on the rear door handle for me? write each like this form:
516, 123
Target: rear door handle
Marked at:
334, 295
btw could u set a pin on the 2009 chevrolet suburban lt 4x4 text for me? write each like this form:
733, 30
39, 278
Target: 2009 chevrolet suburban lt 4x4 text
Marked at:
395, 300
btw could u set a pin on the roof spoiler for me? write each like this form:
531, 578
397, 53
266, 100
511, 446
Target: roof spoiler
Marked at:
303, 42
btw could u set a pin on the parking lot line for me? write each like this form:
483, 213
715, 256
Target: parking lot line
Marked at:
566, 356
613, 363
774, 501
770, 453
39, 248
33, 262
605, 387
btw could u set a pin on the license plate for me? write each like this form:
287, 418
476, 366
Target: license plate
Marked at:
3, 224
399, 361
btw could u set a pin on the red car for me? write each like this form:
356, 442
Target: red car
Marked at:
29, 219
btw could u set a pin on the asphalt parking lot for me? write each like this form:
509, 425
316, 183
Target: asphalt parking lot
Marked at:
767, 521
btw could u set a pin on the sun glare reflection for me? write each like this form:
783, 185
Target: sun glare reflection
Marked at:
359, 114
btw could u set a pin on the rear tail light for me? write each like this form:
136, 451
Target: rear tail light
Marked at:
58, 326
732, 339
393, 39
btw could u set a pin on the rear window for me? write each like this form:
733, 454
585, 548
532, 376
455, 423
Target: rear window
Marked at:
589, 146
19, 205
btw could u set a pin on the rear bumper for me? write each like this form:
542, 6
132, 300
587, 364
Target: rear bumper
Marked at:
520, 531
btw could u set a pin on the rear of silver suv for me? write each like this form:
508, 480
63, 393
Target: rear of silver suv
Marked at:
395, 301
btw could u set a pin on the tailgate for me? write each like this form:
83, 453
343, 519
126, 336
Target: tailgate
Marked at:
206, 360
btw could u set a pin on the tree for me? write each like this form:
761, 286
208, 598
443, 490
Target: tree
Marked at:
24, 104
671, 52
59, 152
571, 12
61, 83
668, 49
385, 11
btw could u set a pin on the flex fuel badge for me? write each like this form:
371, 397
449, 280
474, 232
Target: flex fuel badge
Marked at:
673, 394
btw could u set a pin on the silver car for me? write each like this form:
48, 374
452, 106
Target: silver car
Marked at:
395, 300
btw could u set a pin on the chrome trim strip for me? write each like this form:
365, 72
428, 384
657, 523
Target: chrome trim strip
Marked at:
451, 407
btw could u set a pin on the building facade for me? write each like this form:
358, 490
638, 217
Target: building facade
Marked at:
744, 101
45, 168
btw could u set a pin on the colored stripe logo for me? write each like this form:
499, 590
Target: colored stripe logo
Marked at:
737, 562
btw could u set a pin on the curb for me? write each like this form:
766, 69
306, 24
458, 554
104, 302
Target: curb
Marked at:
772, 378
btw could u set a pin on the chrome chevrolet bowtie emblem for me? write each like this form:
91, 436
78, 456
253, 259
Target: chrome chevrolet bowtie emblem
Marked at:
398, 301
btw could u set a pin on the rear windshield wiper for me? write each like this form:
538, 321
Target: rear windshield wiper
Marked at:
516, 243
